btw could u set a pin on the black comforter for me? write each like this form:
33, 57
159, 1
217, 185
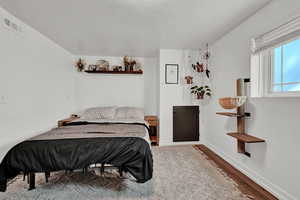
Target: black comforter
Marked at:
133, 154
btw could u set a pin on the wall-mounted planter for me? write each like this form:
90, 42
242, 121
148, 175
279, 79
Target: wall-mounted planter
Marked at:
200, 96
189, 80
232, 102
238, 103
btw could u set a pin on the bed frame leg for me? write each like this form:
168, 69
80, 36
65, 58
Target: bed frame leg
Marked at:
102, 169
31, 181
121, 171
47, 175
3, 185
85, 170
27, 178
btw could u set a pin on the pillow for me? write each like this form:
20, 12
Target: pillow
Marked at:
129, 113
99, 113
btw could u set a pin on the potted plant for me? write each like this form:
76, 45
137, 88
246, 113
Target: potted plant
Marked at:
198, 67
189, 79
201, 91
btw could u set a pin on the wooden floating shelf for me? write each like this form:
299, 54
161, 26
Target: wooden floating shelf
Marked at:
240, 115
229, 114
114, 72
245, 137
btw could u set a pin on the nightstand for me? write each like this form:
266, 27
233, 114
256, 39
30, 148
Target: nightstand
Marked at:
154, 127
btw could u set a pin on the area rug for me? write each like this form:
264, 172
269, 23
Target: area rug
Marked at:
180, 173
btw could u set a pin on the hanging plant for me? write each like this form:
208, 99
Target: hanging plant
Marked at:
207, 72
201, 91
80, 64
206, 57
198, 67
189, 79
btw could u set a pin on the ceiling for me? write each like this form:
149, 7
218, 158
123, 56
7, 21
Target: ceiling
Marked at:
132, 27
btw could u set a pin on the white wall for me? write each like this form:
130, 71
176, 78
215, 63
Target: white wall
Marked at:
276, 163
120, 89
150, 85
36, 83
171, 94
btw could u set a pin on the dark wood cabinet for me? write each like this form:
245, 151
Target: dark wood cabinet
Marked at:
185, 123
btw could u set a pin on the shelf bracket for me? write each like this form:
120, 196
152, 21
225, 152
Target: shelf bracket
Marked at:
248, 154
247, 114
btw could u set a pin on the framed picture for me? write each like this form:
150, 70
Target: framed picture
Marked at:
171, 73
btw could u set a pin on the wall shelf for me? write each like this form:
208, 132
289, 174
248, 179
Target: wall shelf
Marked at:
240, 114
245, 137
114, 72
229, 114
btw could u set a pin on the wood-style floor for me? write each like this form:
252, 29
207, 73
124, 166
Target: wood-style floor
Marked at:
245, 184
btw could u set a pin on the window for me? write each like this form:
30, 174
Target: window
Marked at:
275, 61
285, 68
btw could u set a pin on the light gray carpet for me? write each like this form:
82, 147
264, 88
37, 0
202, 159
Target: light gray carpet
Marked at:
180, 173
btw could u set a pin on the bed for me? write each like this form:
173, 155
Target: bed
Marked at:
117, 136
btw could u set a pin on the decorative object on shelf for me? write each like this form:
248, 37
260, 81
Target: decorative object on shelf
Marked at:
171, 73
138, 66
129, 63
232, 102
117, 68
132, 64
102, 65
80, 65
238, 102
201, 91
92, 68
189, 80
126, 61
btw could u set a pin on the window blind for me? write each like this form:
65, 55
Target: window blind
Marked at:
276, 36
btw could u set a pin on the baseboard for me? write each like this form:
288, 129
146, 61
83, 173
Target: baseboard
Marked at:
260, 180
163, 143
